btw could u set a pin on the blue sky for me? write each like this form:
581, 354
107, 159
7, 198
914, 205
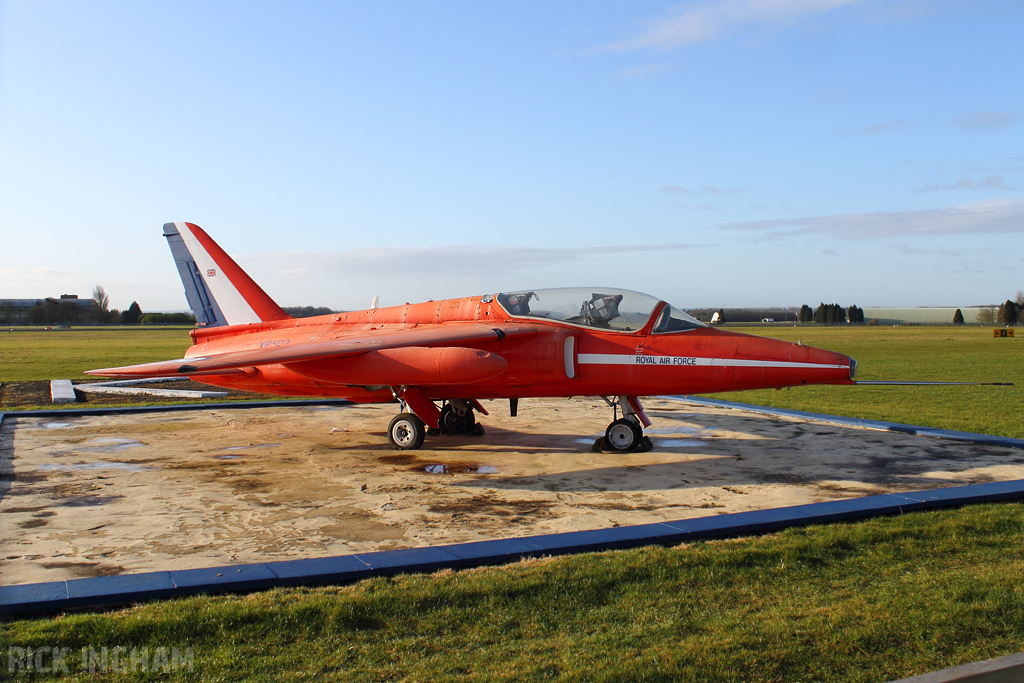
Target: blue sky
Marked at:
712, 153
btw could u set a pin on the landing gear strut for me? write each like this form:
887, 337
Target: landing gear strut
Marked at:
626, 433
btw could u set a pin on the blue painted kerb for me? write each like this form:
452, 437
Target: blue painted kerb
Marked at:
106, 591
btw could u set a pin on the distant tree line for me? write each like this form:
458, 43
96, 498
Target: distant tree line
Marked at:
133, 315
167, 319
50, 311
306, 311
1009, 313
831, 314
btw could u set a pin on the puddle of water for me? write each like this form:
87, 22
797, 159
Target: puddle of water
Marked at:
681, 443
107, 444
437, 469
224, 456
257, 445
681, 429
56, 425
81, 466
487, 469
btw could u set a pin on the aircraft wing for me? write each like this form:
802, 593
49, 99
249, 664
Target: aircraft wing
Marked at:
238, 362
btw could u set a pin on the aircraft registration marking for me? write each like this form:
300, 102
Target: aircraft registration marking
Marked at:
274, 343
632, 359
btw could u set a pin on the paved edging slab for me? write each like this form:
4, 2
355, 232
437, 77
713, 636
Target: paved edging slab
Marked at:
880, 425
108, 591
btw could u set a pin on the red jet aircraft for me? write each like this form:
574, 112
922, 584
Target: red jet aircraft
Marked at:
592, 341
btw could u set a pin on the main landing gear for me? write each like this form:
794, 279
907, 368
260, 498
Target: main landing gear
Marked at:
407, 430
625, 434
457, 417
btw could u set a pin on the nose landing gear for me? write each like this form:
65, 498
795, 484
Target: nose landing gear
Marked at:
625, 434
406, 432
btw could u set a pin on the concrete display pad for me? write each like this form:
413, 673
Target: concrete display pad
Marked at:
170, 491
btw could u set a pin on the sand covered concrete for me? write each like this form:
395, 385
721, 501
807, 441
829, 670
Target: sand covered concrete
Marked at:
87, 496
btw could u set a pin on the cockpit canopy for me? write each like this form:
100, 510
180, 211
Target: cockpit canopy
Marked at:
607, 309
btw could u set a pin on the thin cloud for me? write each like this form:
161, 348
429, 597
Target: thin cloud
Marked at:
646, 71
917, 251
706, 190
25, 273
907, 249
887, 127
992, 182
988, 120
690, 24
420, 261
994, 216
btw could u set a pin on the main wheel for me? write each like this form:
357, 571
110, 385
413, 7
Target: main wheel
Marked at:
406, 432
623, 434
453, 423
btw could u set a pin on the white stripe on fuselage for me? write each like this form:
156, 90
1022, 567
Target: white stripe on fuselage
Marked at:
692, 361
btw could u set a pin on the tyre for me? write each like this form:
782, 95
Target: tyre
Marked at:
406, 432
622, 435
453, 423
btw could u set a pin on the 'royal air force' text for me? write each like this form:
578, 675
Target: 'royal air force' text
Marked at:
665, 360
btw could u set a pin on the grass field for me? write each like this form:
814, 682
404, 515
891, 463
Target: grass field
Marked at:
29, 354
871, 601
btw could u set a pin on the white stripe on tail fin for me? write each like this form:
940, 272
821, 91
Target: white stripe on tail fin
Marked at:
219, 292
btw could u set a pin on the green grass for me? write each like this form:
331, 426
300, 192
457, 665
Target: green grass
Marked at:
30, 354
870, 601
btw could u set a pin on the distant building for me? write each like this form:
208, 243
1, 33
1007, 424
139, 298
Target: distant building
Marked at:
921, 316
66, 310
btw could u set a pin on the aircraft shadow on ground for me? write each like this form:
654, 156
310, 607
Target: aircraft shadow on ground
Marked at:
854, 461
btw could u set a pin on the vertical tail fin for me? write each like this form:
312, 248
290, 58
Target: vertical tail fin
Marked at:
219, 292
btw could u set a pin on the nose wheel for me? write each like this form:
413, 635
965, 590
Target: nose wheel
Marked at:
625, 434
406, 432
